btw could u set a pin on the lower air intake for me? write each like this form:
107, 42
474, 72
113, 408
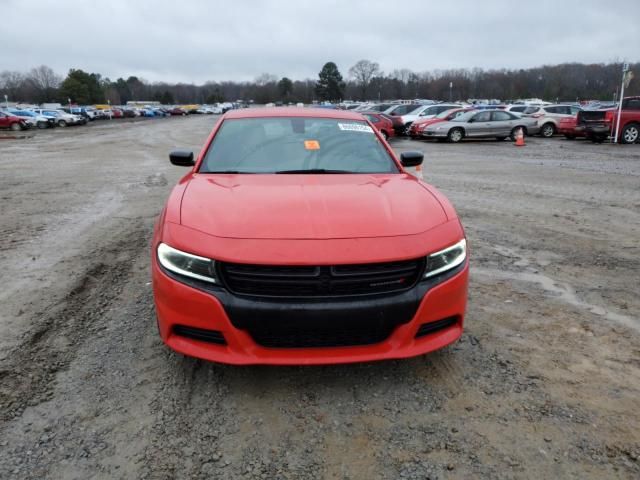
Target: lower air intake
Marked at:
433, 327
209, 336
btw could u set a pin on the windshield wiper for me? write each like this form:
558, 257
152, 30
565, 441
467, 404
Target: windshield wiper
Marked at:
314, 170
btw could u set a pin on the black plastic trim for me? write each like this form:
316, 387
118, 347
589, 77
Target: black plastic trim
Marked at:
433, 327
201, 334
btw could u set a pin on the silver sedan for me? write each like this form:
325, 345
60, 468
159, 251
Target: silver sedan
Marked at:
482, 124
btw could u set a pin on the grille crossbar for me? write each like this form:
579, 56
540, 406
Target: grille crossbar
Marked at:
321, 281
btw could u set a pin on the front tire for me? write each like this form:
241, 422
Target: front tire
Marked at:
630, 134
455, 135
41, 125
62, 123
548, 130
385, 135
15, 127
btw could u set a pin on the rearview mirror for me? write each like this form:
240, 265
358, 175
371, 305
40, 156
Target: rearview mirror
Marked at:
411, 159
182, 158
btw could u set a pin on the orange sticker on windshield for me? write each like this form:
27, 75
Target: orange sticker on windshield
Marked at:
312, 145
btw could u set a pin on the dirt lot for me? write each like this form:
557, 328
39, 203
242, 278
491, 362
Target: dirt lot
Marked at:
545, 383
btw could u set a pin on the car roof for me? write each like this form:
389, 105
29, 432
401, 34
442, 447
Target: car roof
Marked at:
293, 112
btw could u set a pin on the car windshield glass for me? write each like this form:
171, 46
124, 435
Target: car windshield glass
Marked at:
531, 110
296, 144
445, 114
415, 111
464, 117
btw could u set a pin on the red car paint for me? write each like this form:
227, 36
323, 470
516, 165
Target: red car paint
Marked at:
381, 122
299, 220
567, 127
11, 121
416, 128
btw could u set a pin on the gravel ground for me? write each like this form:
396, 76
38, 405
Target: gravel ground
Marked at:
543, 384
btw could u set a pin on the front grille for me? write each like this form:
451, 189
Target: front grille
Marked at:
209, 336
321, 281
591, 117
432, 327
339, 336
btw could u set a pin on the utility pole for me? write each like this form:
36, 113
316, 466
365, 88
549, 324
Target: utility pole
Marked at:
450, 92
625, 69
6, 100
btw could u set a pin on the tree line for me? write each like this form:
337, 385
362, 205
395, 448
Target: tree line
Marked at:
364, 81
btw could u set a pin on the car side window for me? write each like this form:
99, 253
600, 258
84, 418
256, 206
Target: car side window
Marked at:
574, 110
482, 117
371, 118
633, 104
500, 116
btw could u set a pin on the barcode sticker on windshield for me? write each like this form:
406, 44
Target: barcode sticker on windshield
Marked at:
355, 127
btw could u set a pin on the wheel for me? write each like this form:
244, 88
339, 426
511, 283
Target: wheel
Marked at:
501, 139
455, 135
548, 130
15, 127
385, 135
62, 123
630, 134
42, 124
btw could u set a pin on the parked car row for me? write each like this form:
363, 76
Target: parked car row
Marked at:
27, 117
455, 122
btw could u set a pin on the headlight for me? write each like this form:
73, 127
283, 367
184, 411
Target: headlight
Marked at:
446, 259
186, 264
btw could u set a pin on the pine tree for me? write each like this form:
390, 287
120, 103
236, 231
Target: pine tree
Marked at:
330, 85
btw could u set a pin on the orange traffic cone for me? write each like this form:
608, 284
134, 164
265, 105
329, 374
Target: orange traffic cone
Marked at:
520, 138
419, 172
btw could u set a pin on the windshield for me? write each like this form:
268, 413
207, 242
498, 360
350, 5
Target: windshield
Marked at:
296, 145
446, 113
416, 110
464, 117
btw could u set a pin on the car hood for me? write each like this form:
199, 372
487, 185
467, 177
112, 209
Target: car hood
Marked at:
427, 122
445, 125
309, 206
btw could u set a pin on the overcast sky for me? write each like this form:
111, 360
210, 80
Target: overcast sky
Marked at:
200, 40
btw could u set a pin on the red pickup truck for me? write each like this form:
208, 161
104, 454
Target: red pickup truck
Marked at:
598, 125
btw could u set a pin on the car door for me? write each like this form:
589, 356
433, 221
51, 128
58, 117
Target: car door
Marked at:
501, 124
4, 120
479, 124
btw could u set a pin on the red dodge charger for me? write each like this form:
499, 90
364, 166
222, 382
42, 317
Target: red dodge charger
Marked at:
297, 238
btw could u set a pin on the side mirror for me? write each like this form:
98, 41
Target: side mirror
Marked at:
182, 158
411, 159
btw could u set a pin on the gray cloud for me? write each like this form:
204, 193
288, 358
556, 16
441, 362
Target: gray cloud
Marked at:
200, 40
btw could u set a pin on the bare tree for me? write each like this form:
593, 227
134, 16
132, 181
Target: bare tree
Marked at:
45, 81
362, 72
11, 83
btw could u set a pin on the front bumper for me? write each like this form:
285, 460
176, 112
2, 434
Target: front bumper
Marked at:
594, 129
434, 133
179, 304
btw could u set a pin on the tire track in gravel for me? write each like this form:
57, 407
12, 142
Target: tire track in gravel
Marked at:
50, 345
